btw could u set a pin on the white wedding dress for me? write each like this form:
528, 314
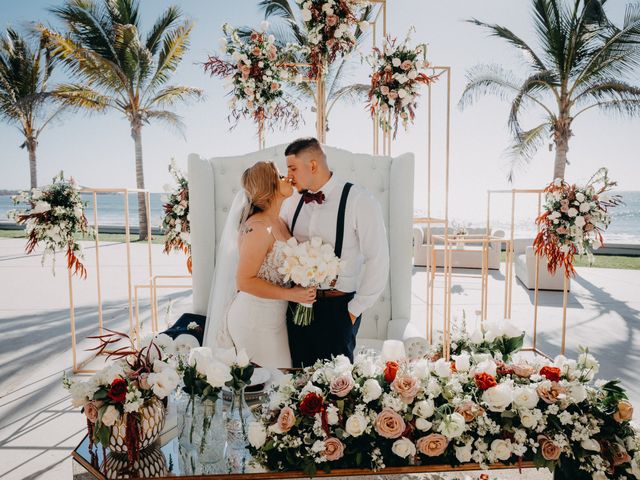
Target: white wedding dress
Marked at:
259, 325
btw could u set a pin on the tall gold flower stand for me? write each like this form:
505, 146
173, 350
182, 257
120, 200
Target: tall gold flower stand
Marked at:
79, 367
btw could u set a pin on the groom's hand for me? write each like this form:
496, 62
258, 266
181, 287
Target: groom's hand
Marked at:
352, 317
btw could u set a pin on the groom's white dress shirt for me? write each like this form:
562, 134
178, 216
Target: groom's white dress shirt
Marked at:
364, 249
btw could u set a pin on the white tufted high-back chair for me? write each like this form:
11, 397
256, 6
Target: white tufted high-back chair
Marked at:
214, 182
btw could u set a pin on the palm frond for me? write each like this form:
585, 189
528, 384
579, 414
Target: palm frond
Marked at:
488, 80
79, 96
174, 94
123, 12
174, 45
277, 8
169, 119
625, 108
525, 146
506, 34
539, 82
164, 23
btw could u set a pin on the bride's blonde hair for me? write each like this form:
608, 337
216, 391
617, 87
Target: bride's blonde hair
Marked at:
260, 183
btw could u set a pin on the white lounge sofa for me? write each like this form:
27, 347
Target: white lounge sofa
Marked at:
525, 268
214, 182
460, 258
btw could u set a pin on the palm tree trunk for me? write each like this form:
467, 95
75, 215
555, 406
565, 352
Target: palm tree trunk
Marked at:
136, 133
561, 135
33, 172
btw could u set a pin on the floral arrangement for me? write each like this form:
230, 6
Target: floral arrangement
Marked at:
460, 231
176, 215
308, 264
477, 408
255, 73
395, 80
114, 399
573, 220
55, 215
330, 26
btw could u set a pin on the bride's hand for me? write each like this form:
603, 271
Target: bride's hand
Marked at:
300, 294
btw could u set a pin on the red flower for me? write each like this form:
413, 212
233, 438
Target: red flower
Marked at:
551, 373
390, 371
485, 380
311, 404
118, 390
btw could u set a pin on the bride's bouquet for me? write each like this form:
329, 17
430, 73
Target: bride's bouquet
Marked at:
309, 264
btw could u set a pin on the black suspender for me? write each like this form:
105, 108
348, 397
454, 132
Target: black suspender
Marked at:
295, 215
340, 221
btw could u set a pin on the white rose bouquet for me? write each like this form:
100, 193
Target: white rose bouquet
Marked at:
574, 219
308, 264
175, 223
55, 215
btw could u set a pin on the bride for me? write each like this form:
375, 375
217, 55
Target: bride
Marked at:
249, 297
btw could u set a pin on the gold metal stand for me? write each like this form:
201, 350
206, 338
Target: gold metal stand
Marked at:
79, 368
565, 294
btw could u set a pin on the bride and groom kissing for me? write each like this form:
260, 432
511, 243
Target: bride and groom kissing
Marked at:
251, 305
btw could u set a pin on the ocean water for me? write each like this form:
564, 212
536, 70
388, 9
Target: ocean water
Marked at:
624, 228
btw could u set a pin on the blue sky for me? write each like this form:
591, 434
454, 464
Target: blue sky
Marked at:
98, 150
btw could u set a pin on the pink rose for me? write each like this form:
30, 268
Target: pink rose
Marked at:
332, 20
393, 95
624, 412
523, 370
551, 394
564, 208
330, 43
256, 51
389, 424
561, 230
342, 385
564, 202
406, 386
333, 449
406, 65
143, 382
432, 445
620, 455
588, 227
286, 419
384, 90
91, 412
470, 410
248, 91
549, 450
274, 86
272, 55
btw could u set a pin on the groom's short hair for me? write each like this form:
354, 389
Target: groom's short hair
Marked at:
303, 145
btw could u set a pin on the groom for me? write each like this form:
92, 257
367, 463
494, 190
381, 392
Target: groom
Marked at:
349, 218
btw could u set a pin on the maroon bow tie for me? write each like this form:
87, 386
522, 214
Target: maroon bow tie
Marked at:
317, 197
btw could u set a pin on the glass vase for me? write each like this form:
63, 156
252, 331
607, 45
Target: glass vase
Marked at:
237, 422
203, 429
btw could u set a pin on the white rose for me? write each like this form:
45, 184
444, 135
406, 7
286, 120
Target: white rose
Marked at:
423, 425
110, 416
452, 426
572, 212
498, 398
356, 424
525, 397
527, 419
501, 449
41, 207
218, 374
486, 366
463, 362
257, 434
580, 197
585, 207
599, 476
580, 221
463, 454
590, 444
476, 337
242, 359
403, 448
306, 14
396, 62
200, 358
332, 415
424, 408
442, 368
163, 383
511, 330
371, 390
578, 393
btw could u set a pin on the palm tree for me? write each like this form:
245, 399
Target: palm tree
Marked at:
289, 28
582, 61
24, 96
118, 69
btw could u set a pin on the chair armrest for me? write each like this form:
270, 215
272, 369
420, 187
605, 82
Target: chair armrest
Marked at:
418, 236
521, 244
401, 329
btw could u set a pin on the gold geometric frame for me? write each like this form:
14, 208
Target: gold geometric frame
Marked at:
565, 288
79, 368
